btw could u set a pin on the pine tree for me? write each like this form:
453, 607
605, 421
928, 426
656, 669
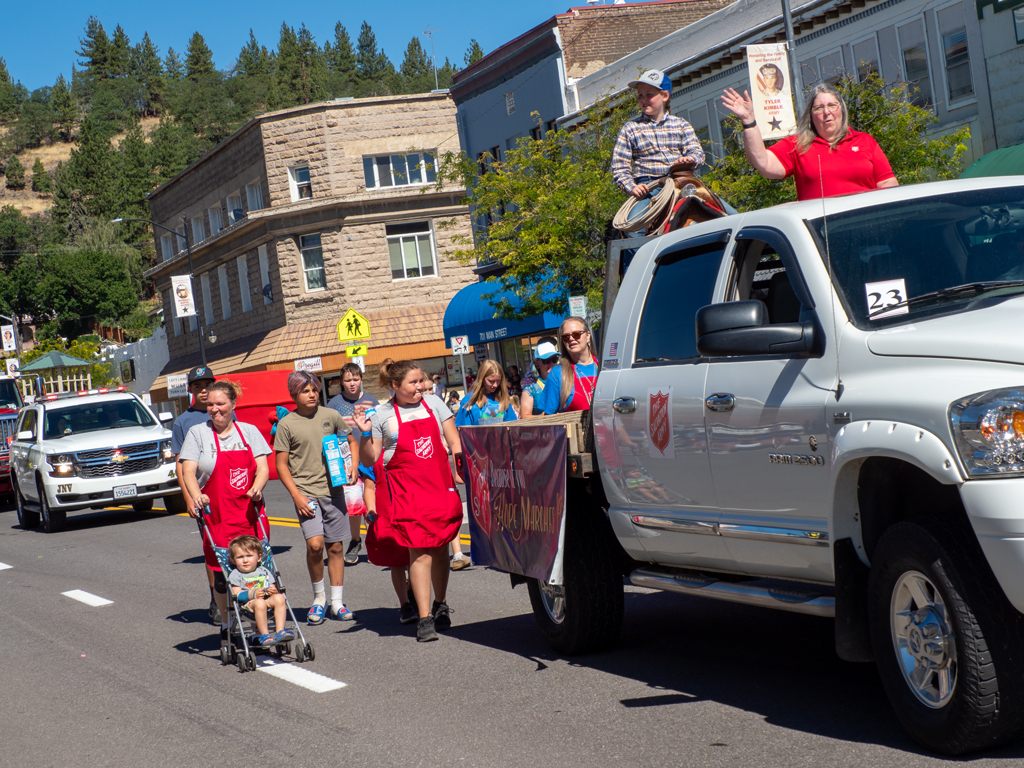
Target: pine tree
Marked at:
252, 86
41, 181
341, 64
147, 68
288, 66
474, 53
417, 72
8, 95
95, 51
445, 75
119, 59
198, 58
253, 59
173, 67
371, 64
312, 68
65, 108
15, 173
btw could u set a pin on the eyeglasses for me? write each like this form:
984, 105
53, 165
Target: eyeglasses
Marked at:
572, 335
833, 107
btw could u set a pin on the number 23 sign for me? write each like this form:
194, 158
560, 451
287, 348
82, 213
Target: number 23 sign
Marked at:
885, 294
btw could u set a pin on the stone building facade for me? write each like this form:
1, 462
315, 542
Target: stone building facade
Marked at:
303, 214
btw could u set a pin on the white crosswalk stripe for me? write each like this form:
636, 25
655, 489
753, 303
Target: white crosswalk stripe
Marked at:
294, 674
5, 566
87, 598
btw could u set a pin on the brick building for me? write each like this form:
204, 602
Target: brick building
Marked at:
302, 214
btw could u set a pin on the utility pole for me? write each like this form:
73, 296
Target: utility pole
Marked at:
794, 68
433, 60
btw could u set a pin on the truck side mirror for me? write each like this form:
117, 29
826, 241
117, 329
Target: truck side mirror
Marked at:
165, 417
26, 436
738, 328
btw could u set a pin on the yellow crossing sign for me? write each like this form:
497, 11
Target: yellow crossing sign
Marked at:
353, 327
357, 350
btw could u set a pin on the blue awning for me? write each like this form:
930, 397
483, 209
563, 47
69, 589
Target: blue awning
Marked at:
469, 314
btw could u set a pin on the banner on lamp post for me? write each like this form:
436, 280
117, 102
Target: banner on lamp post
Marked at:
770, 90
184, 301
10, 342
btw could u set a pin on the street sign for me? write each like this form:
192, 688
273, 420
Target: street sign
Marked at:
353, 327
480, 352
177, 385
309, 364
356, 350
460, 345
578, 306
358, 360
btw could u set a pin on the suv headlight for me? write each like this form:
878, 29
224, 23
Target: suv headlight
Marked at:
165, 452
988, 429
61, 465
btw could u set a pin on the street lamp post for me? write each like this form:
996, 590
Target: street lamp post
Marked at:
191, 270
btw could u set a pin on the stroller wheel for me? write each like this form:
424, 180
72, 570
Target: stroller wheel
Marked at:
310, 653
252, 661
225, 658
300, 653
241, 662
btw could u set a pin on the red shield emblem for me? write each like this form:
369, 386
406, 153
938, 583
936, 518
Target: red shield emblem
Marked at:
239, 479
424, 447
659, 421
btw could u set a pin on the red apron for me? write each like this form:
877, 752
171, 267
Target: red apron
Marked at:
232, 513
381, 547
426, 510
582, 392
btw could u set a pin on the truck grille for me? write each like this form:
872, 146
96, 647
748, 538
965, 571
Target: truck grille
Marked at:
116, 470
115, 462
8, 424
106, 454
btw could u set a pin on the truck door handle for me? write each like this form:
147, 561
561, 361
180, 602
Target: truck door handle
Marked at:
720, 401
624, 404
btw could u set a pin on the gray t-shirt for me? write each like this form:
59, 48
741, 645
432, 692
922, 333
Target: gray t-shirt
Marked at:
257, 579
385, 426
200, 446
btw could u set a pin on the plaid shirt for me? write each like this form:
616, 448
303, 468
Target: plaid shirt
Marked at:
651, 148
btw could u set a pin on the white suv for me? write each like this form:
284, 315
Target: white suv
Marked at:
89, 449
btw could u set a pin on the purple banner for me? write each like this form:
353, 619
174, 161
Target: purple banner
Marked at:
515, 487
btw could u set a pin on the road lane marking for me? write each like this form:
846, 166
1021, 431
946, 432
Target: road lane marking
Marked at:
87, 598
5, 566
302, 677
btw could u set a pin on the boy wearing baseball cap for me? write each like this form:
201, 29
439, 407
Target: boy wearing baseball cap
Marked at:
649, 144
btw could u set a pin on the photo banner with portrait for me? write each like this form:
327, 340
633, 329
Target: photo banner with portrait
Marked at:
771, 91
184, 301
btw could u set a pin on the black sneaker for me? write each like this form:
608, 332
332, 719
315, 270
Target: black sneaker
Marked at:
214, 612
441, 614
425, 630
352, 553
407, 614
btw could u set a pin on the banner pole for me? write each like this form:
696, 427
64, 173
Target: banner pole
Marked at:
794, 68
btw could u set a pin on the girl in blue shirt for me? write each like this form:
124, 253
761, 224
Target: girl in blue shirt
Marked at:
570, 386
489, 402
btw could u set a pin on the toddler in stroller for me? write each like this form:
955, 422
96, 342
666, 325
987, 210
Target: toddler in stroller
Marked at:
253, 586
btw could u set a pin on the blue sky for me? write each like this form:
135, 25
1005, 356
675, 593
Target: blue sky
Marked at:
47, 35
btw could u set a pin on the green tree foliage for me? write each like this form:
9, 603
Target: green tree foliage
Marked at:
875, 107
15, 236
173, 67
253, 86
416, 70
376, 72
198, 58
474, 53
148, 70
81, 286
445, 75
65, 109
95, 53
8, 95
15, 173
550, 203
174, 146
84, 349
35, 125
342, 72
119, 59
41, 181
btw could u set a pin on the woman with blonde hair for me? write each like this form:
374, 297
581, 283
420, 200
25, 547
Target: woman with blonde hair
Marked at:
826, 157
488, 402
570, 385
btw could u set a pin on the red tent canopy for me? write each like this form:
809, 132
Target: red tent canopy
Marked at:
262, 392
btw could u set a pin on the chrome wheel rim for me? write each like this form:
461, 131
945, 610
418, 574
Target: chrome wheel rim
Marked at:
553, 598
923, 639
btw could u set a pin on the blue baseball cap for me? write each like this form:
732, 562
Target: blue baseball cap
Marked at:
654, 77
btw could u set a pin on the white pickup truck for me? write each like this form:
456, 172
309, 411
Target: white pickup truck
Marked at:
819, 407
96, 448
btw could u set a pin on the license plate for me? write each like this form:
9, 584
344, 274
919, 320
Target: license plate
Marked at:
125, 491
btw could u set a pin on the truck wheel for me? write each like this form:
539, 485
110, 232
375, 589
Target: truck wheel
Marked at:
27, 518
946, 640
175, 504
53, 521
585, 613
143, 505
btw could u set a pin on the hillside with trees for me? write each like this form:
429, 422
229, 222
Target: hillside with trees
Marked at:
129, 119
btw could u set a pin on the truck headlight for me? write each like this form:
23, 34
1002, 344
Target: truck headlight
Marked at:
61, 465
988, 429
165, 452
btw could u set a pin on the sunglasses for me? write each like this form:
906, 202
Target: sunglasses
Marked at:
575, 335
550, 361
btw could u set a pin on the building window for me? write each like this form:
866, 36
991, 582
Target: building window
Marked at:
1018, 23
198, 230
243, 283
225, 292
169, 316
550, 125
265, 288
510, 103
254, 196
398, 170
953, 37
313, 262
865, 59
495, 154
411, 250
915, 64
301, 186
182, 242
204, 281
831, 67
216, 220
536, 133
167, 246
235, 212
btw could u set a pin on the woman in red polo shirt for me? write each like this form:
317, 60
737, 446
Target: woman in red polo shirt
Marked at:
826, 157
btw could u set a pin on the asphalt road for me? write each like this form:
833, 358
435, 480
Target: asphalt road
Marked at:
138, 681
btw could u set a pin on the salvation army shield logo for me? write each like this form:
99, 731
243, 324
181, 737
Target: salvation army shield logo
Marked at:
660, 421
239, 479
424, 447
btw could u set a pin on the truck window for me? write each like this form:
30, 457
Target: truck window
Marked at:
680, 286
28, 422
9, 395
759, 274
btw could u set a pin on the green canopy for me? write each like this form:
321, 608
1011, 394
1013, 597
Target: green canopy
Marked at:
54, 359
1008, 161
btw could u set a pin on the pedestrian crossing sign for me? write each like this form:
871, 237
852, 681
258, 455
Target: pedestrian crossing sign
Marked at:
353, 327
356, 350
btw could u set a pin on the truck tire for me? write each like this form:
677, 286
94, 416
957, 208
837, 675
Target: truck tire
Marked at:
585, 613
27, 518
946, 640
175, 504
143, 505
53, 520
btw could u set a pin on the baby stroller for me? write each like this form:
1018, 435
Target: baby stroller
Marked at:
238, 650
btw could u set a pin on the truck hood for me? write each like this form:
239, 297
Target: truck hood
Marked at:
106, 438
990, 333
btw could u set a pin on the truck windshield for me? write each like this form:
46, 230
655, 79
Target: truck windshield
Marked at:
92, 417
937, 255
10, 397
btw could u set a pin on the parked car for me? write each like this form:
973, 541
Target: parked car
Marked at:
10, 404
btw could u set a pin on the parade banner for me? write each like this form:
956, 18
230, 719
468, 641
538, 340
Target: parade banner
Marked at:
515, 487
181, 292
770, 90
10, 342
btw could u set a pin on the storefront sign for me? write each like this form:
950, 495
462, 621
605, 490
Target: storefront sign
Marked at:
184, 301
309, 364
516, 493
